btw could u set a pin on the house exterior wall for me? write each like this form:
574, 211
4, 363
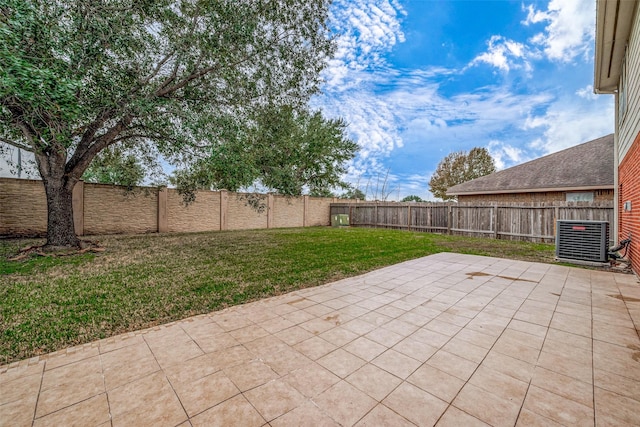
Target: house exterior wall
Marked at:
629, 93
605, 195
628, 144
629, 192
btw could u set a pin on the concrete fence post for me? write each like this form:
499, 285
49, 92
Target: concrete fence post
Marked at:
224, 209
77, 200
163, 210
305, 211
270, 213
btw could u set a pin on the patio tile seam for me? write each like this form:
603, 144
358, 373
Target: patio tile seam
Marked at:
488, 352
184, 409
483, 359
636, 326
36, 418
35, 407
593, 367
540, 352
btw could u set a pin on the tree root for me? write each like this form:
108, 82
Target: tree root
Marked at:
49, 251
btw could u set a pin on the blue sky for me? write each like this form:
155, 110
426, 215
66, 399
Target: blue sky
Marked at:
418, 79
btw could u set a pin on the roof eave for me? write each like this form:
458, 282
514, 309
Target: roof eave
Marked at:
530, 190
613, 27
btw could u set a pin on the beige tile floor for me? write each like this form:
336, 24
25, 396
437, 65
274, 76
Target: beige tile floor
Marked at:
447, 340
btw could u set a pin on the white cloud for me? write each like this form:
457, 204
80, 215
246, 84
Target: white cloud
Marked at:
569, 28
505, 155
587, 93
406, 117
414, 184
568, 34
504, 54
533, 122
414, 115
366, 30
568, 123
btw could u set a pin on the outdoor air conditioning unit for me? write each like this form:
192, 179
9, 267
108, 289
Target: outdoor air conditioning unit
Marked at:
582, 242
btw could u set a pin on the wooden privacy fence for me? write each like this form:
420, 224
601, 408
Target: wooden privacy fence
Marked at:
535, 223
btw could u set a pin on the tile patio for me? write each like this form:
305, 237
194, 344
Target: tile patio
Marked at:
445, 340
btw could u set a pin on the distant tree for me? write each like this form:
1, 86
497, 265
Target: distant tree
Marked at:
459, 167
322, 193
113, 166
353, 193
412, 198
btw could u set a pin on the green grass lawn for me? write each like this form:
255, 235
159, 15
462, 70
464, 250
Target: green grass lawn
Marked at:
49, 303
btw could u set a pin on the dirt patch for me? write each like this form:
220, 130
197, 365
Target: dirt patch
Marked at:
482, 274
477, 274
333, 318
296, 300
623, 298
636, 355
517, 279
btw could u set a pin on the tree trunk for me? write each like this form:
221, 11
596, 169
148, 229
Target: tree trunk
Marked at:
60, 228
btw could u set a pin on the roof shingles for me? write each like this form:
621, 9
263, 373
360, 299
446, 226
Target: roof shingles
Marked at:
587, 165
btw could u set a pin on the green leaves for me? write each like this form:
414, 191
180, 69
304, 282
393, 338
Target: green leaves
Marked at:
190, 63
287, 150
114, 166
191, 80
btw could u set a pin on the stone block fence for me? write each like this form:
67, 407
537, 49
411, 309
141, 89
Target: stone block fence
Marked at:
108, 209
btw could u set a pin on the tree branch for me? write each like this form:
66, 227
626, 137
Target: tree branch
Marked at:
79, 162
89, 134
17, 145
156, 70
164, 90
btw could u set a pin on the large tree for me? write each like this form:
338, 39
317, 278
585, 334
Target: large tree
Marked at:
181, 77
287, 150
459, 167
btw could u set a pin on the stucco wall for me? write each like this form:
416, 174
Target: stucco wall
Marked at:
23, 207
290, 212
201, 215
109, 209
106, 209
